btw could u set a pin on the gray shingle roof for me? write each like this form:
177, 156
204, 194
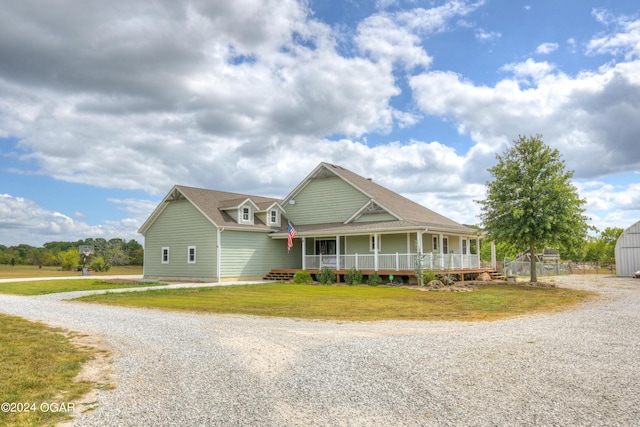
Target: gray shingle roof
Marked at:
212, 204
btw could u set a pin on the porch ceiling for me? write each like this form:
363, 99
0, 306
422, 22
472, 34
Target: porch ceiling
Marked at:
339, 228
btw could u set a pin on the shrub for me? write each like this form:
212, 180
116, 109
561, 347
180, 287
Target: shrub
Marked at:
428, 276
99, 264
326, 277
374, 279
302, 277
353, 277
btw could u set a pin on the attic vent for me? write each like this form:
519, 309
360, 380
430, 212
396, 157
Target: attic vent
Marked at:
370, 179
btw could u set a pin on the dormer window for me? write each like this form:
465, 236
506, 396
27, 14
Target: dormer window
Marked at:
274, 217
245, 214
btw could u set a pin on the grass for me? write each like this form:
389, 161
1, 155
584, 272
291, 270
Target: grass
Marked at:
41, 287
353, 303
23, 271
38, 366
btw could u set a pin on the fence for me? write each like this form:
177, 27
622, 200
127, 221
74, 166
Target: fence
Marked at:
592, 268
523, 268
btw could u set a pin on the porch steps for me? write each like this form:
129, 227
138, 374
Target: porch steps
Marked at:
495, 275
279, 275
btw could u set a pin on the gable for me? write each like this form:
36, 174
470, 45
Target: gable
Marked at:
325, 199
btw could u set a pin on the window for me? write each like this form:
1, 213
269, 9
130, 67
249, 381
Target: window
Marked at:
445, 245
165, 255
273, 217
246, 214
464, 246
374, 243
191, 255
435, 243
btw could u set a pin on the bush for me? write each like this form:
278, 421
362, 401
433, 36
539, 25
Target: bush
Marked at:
99, 264
428, 276
302, 277
326, 277
374, 279
353, 277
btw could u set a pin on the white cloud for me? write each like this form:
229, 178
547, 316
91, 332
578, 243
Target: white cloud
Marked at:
611, 205
395, 37
525, 71
591, 118
487, 36
623, 41
24, 221
546, 48
384, 40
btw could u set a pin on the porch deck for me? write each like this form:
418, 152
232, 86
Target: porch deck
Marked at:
287, 274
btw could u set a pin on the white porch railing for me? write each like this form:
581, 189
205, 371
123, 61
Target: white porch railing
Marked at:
396, 261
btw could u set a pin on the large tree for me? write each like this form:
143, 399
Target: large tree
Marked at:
531, 202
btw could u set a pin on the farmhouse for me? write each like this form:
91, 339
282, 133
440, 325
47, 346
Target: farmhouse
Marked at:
341, 220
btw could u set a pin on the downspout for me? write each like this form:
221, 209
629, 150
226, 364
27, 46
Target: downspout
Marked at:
218, 253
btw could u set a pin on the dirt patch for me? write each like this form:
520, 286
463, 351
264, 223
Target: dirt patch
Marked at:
98, 370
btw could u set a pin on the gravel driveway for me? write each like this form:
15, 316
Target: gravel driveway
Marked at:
578, 367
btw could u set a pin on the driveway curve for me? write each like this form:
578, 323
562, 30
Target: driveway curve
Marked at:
577, 367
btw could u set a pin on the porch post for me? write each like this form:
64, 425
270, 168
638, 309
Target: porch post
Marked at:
494, 264
419, 246
441, 244
337, 252
375, 251
304, 253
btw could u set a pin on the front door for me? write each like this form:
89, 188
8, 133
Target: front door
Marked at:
326, 247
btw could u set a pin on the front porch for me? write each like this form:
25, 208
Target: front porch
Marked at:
406, 276
406, 262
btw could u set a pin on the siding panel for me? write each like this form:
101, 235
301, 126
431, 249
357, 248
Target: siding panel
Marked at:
324, 201
253, 254
179, 226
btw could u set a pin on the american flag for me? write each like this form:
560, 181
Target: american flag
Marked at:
292, 234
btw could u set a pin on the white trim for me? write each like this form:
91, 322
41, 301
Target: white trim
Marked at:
164, 259
189, 260
363, 210
241, 214
374, 242
219, 252
270, 220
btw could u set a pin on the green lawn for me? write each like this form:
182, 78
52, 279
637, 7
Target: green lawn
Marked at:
24, 271
41, 287
38, 365
355, 303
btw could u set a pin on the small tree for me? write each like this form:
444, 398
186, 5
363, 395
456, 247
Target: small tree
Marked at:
531, 202
69, 259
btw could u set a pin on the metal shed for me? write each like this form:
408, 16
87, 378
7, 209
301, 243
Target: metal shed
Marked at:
628, 251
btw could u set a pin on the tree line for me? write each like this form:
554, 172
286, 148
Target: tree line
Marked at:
599, 248
106, 253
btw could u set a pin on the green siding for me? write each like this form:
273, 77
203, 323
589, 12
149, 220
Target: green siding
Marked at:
358, 245
392, 243
325, 200
253, 254
179, 226
383, 216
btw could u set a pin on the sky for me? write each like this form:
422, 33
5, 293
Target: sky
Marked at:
105, 105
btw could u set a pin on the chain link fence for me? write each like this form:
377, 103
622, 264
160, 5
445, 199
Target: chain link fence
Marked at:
523, 268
